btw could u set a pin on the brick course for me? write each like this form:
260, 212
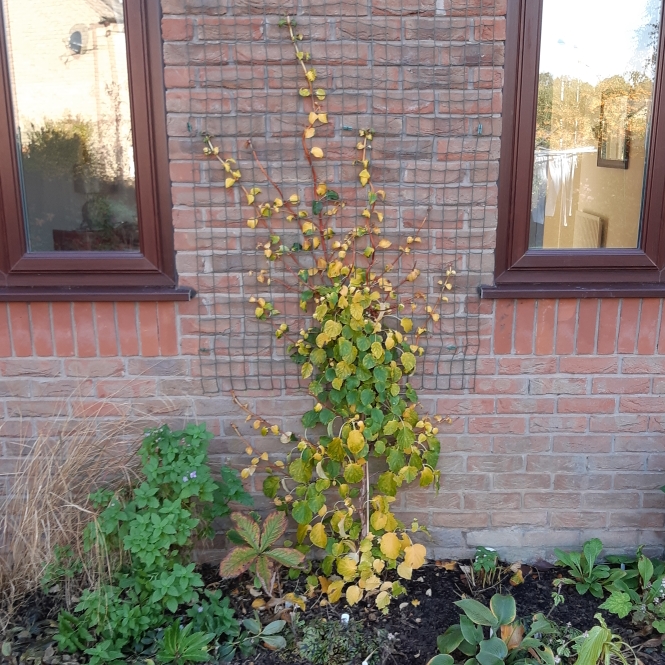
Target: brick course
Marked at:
560, 436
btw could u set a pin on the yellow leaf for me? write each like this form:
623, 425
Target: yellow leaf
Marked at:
250, 199
379, 565
378, 520
320, 93
380, 216
335, 590
296, 600
307, 227
323, 581
383, 600
390, 545
309, 132
229, 182
317, 152
321, 189
294, 198
353, 595
258, 603
357, 311
318, 535
323, 118
373, 582
356, 441
364, 177
304, 92
414, 556
407, 325
405, 571
252, 223
347, 567
312, 117
517, 578
311, 75
384, 244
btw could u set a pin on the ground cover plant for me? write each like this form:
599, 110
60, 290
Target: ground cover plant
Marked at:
154, 605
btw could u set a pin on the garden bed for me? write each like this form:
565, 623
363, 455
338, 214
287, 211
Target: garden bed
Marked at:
413, 622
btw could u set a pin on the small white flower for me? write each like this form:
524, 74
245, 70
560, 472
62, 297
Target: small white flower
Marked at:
185, 479
344, 619
200, 609
192, 474
557, 659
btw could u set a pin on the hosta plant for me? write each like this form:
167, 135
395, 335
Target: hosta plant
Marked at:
492, 636
364, 437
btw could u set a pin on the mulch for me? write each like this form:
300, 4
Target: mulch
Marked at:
413, 622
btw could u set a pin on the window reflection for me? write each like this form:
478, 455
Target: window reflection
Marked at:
71, 103
597, 67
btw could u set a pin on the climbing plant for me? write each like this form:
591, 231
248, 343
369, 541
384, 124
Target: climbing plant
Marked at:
364, 438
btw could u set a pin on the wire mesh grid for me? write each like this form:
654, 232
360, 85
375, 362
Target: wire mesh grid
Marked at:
426, 76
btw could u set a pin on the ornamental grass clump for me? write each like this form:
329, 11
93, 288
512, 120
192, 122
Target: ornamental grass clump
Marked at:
364, 437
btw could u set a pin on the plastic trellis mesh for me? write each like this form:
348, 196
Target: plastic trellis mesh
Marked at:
424, 74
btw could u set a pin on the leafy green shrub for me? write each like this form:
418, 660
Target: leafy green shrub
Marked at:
150, 530
600, 646
507, 642
640, 592
584, 573
358, 353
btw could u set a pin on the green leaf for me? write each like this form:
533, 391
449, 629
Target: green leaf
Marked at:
592, 647
659, 625
408, 362
300, 471
396, 459
503, 608
645, 568
302, 513
248, 529
405, 437
367, 396
618, 603
317, 207
386, 484
441, 659
271, 486
353, 473
472, 634
477, 612
450, 640
310, 419
274, 527
492, 652
275, 641
274, 627
237, 561
592, 548
286, 556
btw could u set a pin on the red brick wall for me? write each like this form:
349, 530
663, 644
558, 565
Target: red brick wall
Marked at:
561, 436
560, 440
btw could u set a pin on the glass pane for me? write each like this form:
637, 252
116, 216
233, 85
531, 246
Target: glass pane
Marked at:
71, 101
597, 67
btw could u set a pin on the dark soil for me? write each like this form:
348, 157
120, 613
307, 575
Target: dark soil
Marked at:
434, 589
413, 622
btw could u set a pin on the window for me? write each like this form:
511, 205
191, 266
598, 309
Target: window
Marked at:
85, 193
582, 173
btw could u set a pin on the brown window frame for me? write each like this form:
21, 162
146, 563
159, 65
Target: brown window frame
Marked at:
524, 273
148, 274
